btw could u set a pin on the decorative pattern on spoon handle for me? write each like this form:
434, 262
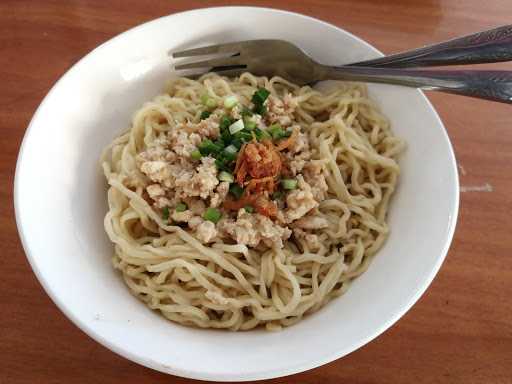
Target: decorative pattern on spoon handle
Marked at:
490, 46
490, 85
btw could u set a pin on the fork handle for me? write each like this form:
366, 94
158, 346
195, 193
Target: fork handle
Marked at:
489, 85
490, 46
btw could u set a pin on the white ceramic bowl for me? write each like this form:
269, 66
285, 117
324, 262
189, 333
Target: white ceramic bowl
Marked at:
60, 200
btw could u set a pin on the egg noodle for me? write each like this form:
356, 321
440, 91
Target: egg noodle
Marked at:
233, 286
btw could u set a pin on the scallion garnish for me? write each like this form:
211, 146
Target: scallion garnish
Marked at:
225, 122
165, 213
212, 214
260, 109
259, 97
261, 134
226, 176
277, 195
181, 207
249, 209
225, 135
229, 157
222, 164
195, 155
237, 126
219, 143
232, 149
230, 102
276, 131
208, 102
243, 136
249, 125
289, 184
205, 115
207, 147
236, 190
246, 112
237, 143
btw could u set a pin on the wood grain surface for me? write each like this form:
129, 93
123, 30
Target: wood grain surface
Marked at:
460, 331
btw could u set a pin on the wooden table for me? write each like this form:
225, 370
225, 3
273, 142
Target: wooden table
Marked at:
460, 331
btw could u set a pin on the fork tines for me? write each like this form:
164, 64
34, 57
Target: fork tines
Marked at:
231, 65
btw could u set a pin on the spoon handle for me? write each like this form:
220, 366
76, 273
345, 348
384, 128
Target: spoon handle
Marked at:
490, 46
490, 85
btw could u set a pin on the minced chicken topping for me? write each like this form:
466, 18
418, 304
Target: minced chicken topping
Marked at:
245, 174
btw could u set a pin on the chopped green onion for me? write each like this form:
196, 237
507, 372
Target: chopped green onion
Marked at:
226, 176
204, 98
276, 131
225, 122
289, 183
196, 155
211, 103
277, 195
259, 97
260, 109
237, 126
249, 209
181, 207
212, 214
236, 190
224, 161
219, 143
249, 125
207, 146
246, 112
243, 136
205, 115
208, 102
261, 134
237, 143
222, 164
274, 127
228, 156
165, 213
230, 102
225, 135
231, 149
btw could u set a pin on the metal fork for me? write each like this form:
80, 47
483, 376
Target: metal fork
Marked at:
281, 58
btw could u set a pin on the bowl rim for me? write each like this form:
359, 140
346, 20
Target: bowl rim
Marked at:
237, 376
